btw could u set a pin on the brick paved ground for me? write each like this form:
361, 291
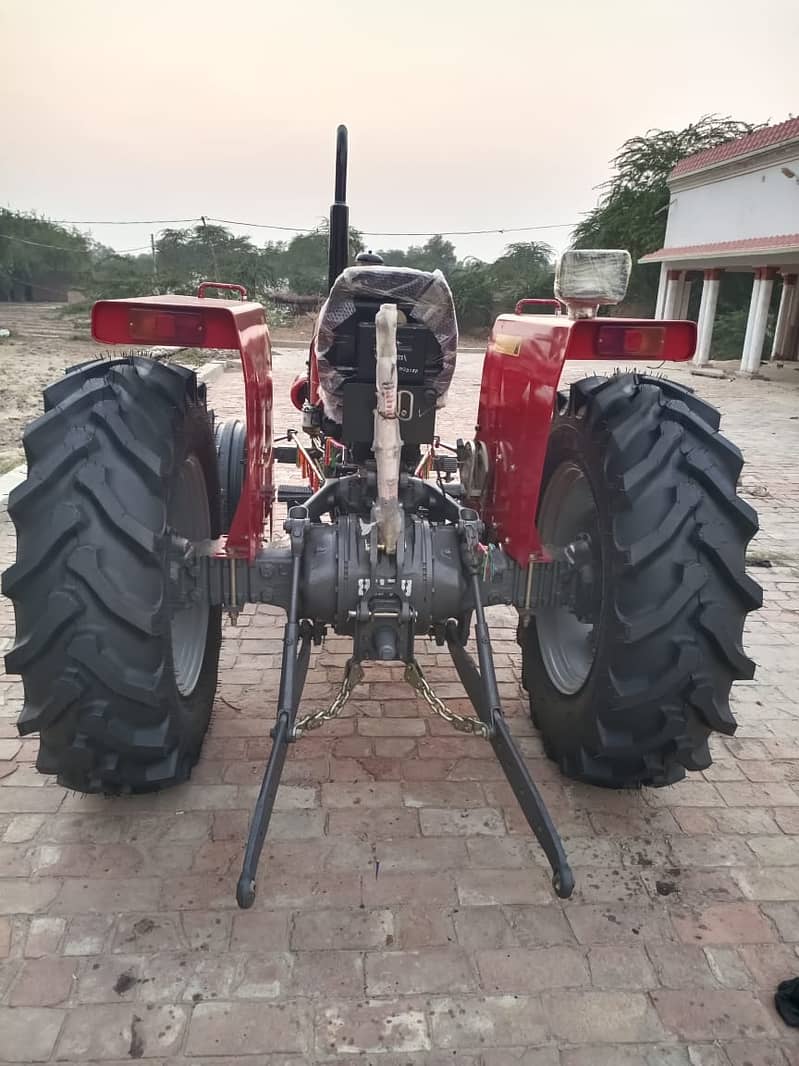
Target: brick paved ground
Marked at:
119, 937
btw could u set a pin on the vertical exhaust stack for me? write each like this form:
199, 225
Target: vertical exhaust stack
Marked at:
387, 440
339, 233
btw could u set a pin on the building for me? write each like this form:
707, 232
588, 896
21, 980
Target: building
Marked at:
735, 207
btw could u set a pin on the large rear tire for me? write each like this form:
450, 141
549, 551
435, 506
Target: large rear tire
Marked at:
629, 696
119, 681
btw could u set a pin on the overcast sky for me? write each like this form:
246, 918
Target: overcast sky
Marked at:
462, 114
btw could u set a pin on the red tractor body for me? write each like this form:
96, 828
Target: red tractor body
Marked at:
607, 515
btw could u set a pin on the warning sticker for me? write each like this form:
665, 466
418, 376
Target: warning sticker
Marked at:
506, 344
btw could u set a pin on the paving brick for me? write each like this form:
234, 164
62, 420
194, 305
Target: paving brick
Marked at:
87, 934
622, 968
356, 929
681, 966
43, 983
728, 968
602, 1017
365, 795
407, 888
612, 923
403, 973
530, 970
772, 883
713, 1015
20, 896
423, 924
758, 795
44, 937
486, 888
265, 976
106, 895
109, 978
724, 923
756, 1053
205, 930
28, 1034
372, 824
241, 1028
443, 794
322, 975
444, 853
492, 1021
785, 917
770, 963
5, 937
119, 1031
472, 821
368, 1028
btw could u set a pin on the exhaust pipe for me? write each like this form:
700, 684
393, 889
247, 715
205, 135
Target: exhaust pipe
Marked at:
339, 233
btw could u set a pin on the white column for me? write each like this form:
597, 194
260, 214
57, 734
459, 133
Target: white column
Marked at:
750, 362
750, 318
707, 316
792, 338
671, 305
685, 297
661, 296
784, 316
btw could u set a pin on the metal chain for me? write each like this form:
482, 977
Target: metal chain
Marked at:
464, 723
353, 675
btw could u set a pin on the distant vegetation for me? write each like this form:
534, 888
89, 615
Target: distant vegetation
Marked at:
630, 213
36, 251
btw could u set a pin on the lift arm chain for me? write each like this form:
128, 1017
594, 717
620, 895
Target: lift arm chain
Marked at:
464, 723
353, 676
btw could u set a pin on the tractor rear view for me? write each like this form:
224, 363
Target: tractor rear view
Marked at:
606, 514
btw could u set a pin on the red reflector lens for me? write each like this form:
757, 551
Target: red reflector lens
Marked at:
172, 328
640, 341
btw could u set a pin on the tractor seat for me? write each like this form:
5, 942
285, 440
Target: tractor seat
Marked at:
427, 340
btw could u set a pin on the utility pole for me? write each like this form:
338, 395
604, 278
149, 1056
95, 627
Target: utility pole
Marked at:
155, 264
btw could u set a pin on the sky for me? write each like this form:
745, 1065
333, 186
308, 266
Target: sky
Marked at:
462, 114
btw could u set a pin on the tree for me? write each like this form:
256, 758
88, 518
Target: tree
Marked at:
435, 254
472, 293
34, 251
633, 204
525, 269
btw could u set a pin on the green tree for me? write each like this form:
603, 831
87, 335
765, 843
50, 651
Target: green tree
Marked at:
524, 270
633, 203
435, 254
35, 251
472, 293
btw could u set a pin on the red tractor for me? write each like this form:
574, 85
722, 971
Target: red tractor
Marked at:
606, 514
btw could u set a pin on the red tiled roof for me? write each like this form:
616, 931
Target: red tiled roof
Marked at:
767, 137
783, 242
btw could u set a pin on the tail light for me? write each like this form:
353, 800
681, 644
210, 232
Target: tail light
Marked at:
175, 328
645, 341
172, 321
632, 339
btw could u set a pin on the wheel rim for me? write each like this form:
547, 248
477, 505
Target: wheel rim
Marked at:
567, 645
189, 517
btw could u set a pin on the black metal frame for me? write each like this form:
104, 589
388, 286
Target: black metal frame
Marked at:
479, 679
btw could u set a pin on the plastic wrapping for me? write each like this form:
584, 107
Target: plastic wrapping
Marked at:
427, 300
592, 277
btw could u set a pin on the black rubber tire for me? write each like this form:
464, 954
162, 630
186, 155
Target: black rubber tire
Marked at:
672, 540
90, 584
230, 438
